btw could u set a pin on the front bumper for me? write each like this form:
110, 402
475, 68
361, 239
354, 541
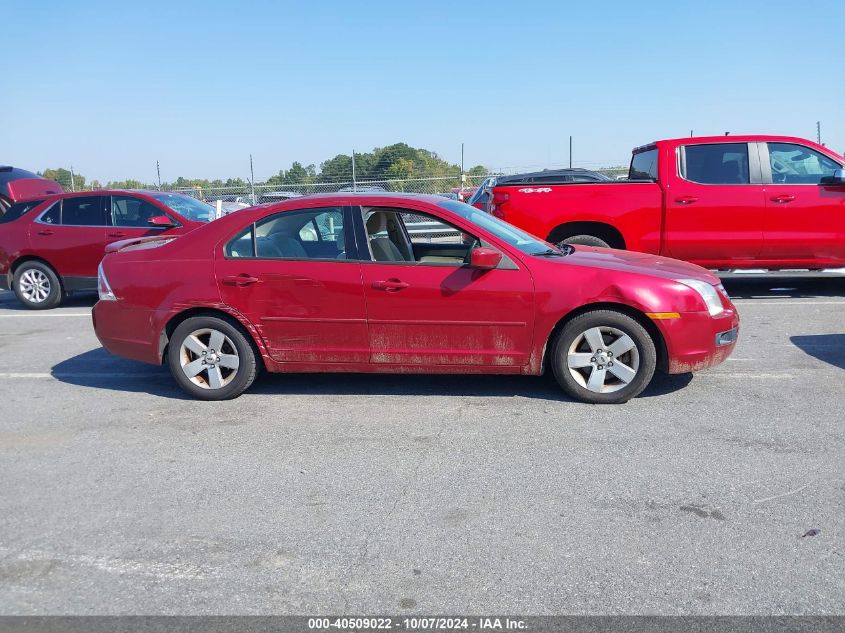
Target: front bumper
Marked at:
697, 340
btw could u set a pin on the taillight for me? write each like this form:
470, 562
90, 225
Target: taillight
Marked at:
103, 287
497, 202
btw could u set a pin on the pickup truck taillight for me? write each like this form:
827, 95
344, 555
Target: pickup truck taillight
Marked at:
497, 202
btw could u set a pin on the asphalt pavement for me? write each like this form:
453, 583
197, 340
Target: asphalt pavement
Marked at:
720, 493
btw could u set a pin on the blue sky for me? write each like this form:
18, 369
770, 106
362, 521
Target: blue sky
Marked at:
199, 85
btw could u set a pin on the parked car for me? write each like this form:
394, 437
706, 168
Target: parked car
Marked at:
464, 193
335, 282
19, 184
277, 196
51, 246
362, 189
733, 202
481, 197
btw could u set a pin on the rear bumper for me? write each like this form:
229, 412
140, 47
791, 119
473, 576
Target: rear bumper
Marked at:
697, 340
114, 323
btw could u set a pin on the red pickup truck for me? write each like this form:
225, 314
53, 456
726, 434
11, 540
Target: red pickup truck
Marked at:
723, 202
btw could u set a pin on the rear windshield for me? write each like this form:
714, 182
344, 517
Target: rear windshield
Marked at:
19, 209
644, 165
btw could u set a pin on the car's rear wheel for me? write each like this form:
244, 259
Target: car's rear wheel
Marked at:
603, 357
211, 358
585, 240
37, 286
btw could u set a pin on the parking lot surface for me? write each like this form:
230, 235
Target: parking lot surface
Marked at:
423, 494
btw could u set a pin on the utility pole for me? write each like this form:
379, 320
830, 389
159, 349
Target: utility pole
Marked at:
251, 180
570, 151
354, 183
463, 175
72, 184
158, 171
819, 132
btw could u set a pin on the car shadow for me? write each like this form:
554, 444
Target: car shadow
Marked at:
779, 286
829, 348
100, 370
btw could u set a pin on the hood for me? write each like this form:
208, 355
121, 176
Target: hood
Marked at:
639, 263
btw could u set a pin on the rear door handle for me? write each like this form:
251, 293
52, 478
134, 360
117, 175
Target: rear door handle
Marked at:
390, 285
117, 234
45, 232
240, 280
686, 200
782, 199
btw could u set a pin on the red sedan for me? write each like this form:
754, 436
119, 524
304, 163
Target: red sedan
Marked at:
395, 283
51, 245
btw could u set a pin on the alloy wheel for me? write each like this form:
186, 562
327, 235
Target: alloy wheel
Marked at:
35, 286
603, 359
209, 358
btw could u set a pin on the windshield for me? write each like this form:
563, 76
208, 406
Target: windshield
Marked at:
186, 206
508, 233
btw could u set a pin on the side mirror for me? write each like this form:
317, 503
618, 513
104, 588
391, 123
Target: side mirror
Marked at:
484, 258
838, 178
161, 222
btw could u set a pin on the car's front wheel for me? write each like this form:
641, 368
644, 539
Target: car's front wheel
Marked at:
603, 357
211, 359
37, 286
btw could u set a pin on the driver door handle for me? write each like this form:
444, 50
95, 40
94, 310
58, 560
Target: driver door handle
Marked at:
117, 234
782, 199
46, 232
240, 280
686, 200
390, 285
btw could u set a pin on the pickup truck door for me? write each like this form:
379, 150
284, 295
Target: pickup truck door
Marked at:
805, 220
715, 204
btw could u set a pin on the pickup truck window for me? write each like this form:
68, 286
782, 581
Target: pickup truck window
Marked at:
798, 165
716, 164
644, 165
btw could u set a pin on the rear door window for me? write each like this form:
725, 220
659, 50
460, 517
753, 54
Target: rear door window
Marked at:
83, 211
644, 165
716, 164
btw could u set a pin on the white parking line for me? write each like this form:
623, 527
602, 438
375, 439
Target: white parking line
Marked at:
30, 315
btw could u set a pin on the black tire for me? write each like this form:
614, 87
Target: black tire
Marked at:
201, 386
585, 240
642, 357
34, 280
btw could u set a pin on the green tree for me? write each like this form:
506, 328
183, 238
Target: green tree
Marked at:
63, 177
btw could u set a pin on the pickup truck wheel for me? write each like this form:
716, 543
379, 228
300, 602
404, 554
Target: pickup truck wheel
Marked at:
585, 240
603, 357
37, 286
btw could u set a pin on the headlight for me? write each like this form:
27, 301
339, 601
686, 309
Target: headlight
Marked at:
707, 293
